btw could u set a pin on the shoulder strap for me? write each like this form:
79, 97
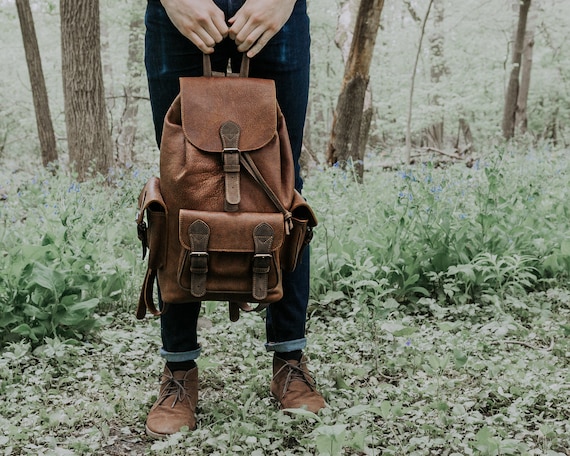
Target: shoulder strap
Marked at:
146, 300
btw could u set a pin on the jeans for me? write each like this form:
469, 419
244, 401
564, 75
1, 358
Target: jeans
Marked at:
285, 59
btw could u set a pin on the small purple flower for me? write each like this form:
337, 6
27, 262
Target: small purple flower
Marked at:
74, 188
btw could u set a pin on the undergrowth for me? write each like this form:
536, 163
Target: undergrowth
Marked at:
455, 235
438, 321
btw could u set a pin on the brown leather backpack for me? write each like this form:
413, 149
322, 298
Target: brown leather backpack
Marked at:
224, 218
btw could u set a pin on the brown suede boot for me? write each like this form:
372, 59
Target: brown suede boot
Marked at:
293, 386
176, 404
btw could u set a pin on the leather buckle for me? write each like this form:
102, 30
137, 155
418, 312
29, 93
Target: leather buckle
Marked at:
141, 231
199, 262
262, 263
142, 235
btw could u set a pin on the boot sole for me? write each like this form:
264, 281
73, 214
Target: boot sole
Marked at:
155, 435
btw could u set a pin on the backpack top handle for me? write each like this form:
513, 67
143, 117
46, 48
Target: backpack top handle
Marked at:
244, 69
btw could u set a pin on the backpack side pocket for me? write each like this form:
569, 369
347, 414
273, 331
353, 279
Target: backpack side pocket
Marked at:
153, 232
303, 220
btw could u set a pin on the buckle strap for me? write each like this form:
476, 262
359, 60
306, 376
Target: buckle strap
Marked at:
229, 132
142, 234
199, 234
263, 236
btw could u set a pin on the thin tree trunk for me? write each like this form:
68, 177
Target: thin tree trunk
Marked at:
434, 132
512, 94
521, 118
410, 103
86, 120
44, 123
465, 130
345, 140
128, 125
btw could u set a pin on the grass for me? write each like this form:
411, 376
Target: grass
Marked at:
438, 323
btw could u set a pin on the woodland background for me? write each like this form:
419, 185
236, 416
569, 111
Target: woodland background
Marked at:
461, 80
439, 317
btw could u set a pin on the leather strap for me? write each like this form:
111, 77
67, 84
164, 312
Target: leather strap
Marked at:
263, 236
207, 64
229, 133
199, 234
142, 231
146, 300
235, 307
244, 69
250, 166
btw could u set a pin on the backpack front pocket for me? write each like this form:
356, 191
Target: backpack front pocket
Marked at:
225, 255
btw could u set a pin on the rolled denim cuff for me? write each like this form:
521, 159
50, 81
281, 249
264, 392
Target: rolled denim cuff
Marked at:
287, 346
179, 357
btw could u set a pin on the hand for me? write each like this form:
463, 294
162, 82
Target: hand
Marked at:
201, 21
257, 21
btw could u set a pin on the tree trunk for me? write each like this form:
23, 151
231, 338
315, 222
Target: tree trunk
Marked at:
86, 120
343, 40
434, 133
521, 118
345, 141
44, 123
128, 124
512, 94
465, 130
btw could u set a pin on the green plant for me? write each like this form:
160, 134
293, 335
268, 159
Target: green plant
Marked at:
456, 233
67, 256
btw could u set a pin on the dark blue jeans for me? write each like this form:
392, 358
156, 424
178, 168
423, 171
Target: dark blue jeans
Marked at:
285, 59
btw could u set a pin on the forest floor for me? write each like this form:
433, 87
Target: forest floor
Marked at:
449, 381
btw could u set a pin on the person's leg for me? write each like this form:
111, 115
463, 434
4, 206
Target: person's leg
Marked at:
286, 60
169, 56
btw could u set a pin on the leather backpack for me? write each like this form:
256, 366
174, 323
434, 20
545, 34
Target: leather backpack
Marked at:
224, 219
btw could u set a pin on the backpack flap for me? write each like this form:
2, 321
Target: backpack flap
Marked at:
225, 255
228, 115
207, 103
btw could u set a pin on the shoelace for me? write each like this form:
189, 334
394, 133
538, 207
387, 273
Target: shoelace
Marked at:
294, 373
173, 387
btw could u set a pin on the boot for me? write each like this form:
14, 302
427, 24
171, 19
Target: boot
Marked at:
176, 403
293, 386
